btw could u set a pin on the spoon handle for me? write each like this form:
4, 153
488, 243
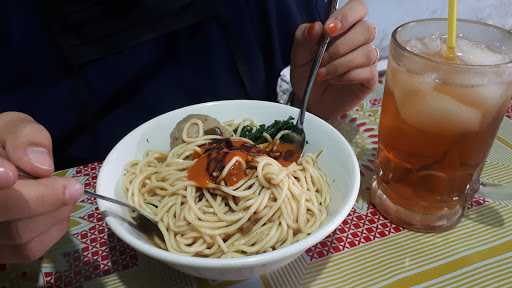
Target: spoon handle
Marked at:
333, 5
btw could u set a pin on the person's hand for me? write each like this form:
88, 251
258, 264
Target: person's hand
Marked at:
34, 214
348, 73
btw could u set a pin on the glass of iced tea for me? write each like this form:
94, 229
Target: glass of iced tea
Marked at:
440, 115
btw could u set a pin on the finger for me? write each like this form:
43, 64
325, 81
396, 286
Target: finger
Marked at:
363, 33
366, 76
29, 198
305, 45
24, 230
8, 174
362, 57
34, 249
28, 144
344, 18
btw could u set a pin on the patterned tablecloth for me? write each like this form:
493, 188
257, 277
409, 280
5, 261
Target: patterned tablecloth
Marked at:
366, 250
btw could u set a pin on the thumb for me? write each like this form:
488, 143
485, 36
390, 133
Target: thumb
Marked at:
306, 42
27, 144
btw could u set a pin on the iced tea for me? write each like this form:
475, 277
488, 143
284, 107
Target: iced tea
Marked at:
439, 119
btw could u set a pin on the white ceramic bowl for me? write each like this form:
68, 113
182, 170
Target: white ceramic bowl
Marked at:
338, 161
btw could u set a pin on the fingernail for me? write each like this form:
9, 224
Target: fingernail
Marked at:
321, 75
40, 157
333, 27
74, 191
310, 31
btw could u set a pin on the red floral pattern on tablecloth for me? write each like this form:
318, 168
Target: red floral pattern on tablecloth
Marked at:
375, 102
101, 252
356, 229
91, 171
360, 228
509, 112
371, 134
363, 227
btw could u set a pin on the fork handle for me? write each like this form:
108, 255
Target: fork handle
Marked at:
333, 5
311, 80
108, 199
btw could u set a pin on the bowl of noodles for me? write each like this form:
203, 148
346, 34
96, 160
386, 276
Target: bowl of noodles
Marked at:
232, 198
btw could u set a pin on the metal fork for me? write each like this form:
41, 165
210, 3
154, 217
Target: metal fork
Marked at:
144, 222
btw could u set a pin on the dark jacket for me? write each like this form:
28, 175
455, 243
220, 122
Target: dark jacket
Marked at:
91, 71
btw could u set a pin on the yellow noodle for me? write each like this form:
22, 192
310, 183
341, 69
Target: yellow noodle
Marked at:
271, 208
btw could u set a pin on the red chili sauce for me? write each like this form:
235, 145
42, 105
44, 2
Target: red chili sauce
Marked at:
216, 154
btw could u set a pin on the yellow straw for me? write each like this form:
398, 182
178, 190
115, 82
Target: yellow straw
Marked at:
452, 27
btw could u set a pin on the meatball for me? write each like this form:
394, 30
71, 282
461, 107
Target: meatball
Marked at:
211, 126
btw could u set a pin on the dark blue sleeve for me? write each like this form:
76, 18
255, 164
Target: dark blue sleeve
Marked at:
89, 108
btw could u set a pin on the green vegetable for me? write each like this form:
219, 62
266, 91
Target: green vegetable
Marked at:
256, 135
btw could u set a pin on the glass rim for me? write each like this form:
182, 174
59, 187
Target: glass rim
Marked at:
404, 49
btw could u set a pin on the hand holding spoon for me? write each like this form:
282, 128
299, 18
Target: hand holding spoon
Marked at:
297, 136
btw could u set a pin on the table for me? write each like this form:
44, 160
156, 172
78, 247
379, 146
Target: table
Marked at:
366, 250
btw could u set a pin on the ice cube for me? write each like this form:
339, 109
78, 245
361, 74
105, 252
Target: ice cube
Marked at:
486, 98
438, 113
473, 53
424, 107
414, 45
425, 46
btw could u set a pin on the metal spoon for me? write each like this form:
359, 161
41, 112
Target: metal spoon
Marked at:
297, 136
144, 222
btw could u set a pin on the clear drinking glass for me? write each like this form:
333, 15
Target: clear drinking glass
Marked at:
439, 120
